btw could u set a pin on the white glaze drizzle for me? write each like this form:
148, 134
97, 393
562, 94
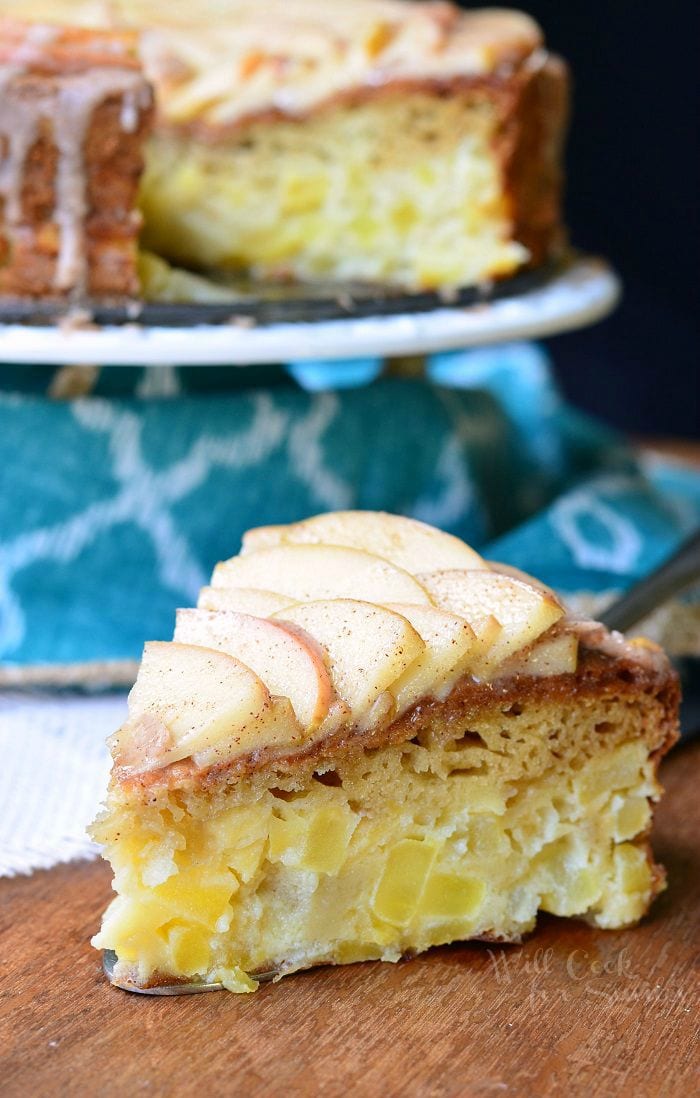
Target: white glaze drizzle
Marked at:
18, 130
68, 104
135, 100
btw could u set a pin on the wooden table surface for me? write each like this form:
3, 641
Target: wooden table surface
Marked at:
574, 1011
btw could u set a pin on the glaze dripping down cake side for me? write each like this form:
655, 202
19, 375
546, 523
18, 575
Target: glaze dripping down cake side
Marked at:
380, 142
75, 109
367, 741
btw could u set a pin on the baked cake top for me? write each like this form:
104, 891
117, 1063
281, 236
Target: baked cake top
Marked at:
341, 630
221, 60
57, 49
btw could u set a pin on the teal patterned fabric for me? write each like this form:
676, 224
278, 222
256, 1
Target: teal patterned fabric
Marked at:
115, 507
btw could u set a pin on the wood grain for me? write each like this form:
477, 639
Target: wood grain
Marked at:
572, 1012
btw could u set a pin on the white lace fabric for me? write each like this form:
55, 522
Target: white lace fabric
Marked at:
53, 775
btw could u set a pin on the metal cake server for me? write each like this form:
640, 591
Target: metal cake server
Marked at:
264, 302
195, 987
110, 959
672, 577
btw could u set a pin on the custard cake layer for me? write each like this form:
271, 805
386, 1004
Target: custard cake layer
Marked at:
494, 805
413, 185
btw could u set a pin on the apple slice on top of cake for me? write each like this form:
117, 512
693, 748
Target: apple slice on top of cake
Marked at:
366, 741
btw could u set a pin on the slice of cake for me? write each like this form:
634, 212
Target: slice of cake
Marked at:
376, 141
75, 109
367, 741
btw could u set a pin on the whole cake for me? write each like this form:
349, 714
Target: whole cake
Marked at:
367, 741
377, 141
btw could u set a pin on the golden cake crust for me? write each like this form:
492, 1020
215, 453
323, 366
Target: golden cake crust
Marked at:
599, 676
231, 61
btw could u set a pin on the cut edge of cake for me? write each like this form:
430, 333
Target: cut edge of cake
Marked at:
257, 164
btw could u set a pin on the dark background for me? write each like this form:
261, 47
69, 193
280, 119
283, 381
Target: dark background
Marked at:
632, 195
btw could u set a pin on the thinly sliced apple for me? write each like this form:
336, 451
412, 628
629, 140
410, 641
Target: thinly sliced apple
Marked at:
368, 647
277, 728
448, 593
487, 630
518, 574
524, 612
548, 656
450, 648
187, 699
287, 665
245, 600
311, 572
405, 542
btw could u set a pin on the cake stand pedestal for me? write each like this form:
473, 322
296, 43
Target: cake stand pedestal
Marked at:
582, 292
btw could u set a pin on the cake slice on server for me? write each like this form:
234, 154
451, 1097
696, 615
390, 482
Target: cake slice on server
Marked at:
367, 741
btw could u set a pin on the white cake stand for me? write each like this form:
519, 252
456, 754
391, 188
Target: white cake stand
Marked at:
581, 294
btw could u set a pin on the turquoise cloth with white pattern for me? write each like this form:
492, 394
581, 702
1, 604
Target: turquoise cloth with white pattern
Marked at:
115, 507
